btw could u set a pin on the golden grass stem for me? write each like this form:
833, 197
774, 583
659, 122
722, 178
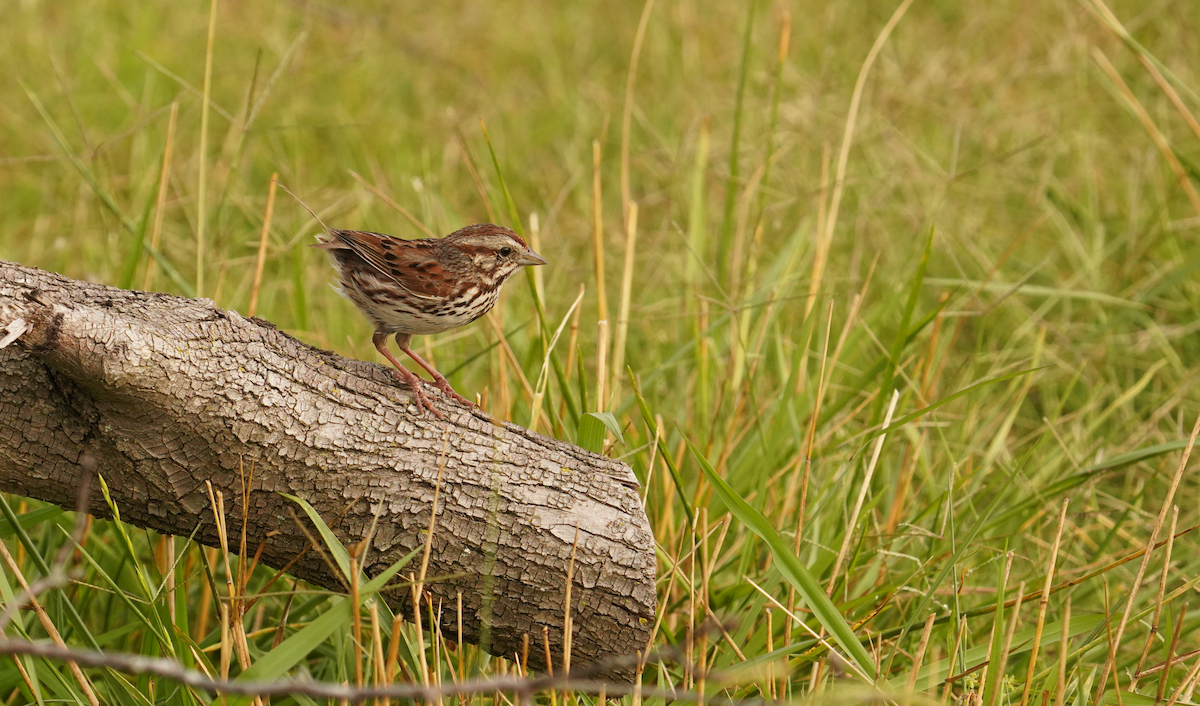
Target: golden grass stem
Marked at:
549, 662
819, 637
601, 365
573, 338
1172, 95
991, 677
1158, 601
435, 634
504, 396
437, 491
261, 260
740, 257
523, 663
169, 574
958, 639
598, 234
356, 621
697, 232
568, 620
393, 654
825, 237
701, 638
392, 202
919, 658
543, 380
538, 274
1112, 646
420, 633
164, 183
1064, 651
1186, 686
25, 678
627, 111
47, 624
233, 629
1110, 22
1150, 542
462, 649
852, 522
770, 692
201, 190
226, 653
1172, 650
650, 465
809, 440
806, 460
200, 629
618, 353
1151, 128
507, 352
1008, 635
1044, 602
819, 233
377, 663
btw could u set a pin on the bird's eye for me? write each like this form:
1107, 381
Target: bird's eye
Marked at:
505, 252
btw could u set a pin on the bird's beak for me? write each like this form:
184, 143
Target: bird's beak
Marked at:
531, 258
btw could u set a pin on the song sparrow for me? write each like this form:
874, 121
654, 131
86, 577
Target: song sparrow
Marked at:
414, 287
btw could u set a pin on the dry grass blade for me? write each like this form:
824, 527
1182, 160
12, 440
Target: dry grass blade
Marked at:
47, 624
1147, 122
618, 353
543, 379
825, 238
1158, 601
598, 234
1044, 603
1150, 542
202, 181
391, 202
919, 658
164, 181
1172, 650
261, 261
627, 111
852, 522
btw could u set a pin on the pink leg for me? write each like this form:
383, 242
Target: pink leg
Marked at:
403, 341
406, 376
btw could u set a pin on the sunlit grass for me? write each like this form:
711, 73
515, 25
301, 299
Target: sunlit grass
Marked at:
1006, 228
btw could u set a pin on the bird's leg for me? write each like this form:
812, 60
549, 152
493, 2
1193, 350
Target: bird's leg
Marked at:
403, 340
406, 376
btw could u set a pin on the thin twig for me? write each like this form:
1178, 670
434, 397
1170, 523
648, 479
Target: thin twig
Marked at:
170, 669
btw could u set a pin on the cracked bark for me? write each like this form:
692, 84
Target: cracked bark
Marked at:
167, 393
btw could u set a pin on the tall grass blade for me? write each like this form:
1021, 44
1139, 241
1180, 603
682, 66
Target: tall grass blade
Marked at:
790, 567
898, 343
134, 254
731, 184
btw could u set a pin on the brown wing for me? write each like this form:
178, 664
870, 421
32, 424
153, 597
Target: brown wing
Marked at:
410, 263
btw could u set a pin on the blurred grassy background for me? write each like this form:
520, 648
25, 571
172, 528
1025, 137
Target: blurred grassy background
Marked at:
1064, 240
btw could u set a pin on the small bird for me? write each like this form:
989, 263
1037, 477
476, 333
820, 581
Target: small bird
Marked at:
424, 286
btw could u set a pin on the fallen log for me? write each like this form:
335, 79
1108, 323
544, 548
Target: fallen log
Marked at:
167, 393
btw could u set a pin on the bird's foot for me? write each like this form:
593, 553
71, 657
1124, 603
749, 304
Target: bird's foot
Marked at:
441, 384
420, 397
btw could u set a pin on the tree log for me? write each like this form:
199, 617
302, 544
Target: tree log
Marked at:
167, 393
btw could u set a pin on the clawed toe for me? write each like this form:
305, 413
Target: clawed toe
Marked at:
449, 392
420, 397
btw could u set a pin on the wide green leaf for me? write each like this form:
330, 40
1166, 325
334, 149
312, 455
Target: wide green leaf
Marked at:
592, 427
340, 555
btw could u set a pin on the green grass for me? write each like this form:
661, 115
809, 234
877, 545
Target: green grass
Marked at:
1058, 293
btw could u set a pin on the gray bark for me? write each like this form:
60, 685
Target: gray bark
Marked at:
167, 393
